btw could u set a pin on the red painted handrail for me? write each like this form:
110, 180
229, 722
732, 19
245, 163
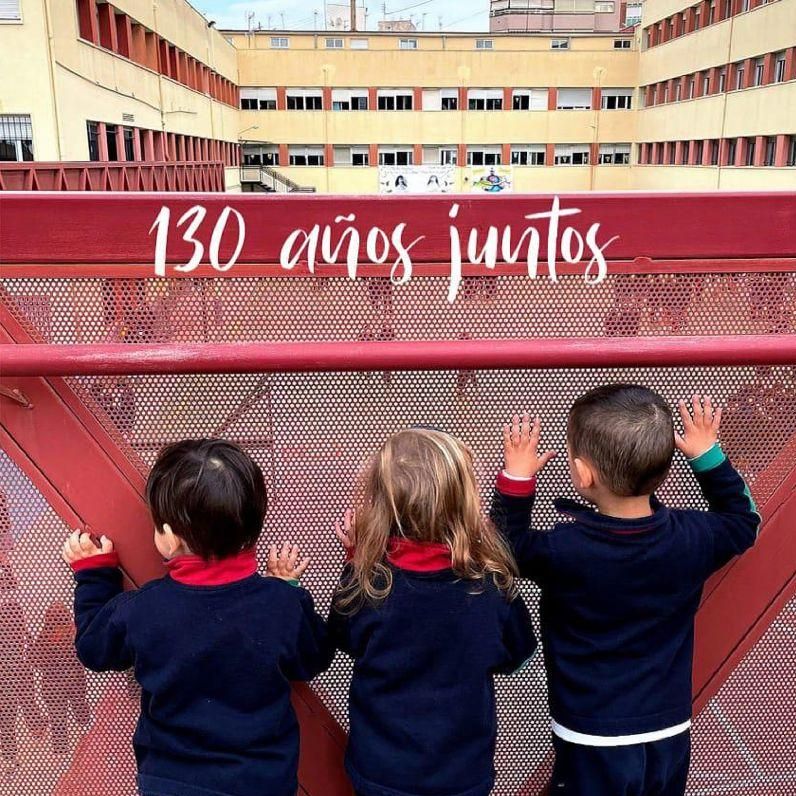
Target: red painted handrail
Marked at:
546, 352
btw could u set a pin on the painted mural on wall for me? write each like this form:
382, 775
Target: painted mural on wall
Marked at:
491, 179
416, 179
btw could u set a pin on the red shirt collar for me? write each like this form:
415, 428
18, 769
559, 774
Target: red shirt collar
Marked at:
196, 571
418, 556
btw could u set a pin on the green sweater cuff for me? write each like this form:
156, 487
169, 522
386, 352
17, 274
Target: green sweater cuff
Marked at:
709, 460
292, 582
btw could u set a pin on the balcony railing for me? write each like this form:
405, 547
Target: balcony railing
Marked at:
271, 180
116, 176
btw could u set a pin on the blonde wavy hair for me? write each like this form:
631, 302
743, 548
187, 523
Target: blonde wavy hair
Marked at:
421, 486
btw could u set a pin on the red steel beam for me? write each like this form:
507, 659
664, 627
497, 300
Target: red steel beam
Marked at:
549, 352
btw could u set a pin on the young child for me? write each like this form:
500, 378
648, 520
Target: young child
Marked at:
621, 584
428, 609
214, 645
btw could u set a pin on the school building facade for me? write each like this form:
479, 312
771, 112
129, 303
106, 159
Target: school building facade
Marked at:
698, 97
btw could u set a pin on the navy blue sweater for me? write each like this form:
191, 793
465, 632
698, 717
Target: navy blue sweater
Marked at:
422, 701
618, 599
215, 665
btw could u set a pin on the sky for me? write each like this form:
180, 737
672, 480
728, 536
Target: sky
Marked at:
470, 15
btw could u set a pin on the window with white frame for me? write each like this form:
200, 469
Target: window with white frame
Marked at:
407, 44
260, 155
396, 156
527, 154
771, 151
559, 44
529, 99
349, 99
10, 11
334, 44
258, 99
484, 155
304, 99
614, 154
484, 44
485, 99
779, 67
309, 155
441, 155
440, 99
604, 7
722, 80
691, 87
395, 99
617, 99
739, 74
705, 83
279, 42
574, 99
16, 137
351, 156
759, 69
572, 155
622, 44
358, 44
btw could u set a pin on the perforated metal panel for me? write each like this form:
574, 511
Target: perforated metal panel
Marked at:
311, 434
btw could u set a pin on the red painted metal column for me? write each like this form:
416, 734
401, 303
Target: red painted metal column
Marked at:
508, 98
124, 35
552, 98
281, 98
781, 152
107, 27
102, 141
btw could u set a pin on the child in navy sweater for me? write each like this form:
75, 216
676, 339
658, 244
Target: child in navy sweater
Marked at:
620, 585
213, 645
428, 609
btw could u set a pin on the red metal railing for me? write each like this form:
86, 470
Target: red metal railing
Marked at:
117, 176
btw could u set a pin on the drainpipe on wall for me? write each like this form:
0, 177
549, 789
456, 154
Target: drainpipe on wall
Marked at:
51, 74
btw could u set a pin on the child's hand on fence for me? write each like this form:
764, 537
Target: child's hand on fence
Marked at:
521, 447
285, 563
700, 426
345, 531
81, 545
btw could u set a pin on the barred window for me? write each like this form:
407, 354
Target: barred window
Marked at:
16, 137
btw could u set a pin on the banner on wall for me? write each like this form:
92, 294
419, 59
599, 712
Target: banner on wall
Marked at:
491, 179
416, 179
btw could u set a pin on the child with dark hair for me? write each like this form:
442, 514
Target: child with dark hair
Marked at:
214, 645
621, 582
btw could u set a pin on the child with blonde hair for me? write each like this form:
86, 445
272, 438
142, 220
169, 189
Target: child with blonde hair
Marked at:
428, 609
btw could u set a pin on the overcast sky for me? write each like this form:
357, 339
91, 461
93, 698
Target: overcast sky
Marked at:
471, 15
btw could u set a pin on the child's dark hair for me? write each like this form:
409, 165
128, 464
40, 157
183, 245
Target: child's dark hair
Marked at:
626, 432
212, 495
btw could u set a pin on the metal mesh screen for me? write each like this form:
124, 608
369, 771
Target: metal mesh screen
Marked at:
311, 434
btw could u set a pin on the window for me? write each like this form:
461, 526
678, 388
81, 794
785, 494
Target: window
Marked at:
528, 155
666, 92
334, 44
711, 14
444, 155
110, 137
572, 155
697, 18
614, 154
759, 68
279, 42
258, 99
619, 99
722, 80
574, 99
407, 44
529, 99
732, 150
672, 154
395, 156
484, 44
395, 99
485, 99
714, 152
358, 44
559, 44
305, 155
604, 7
727, 13
92, 128
705, 84
678, 91
484, 156
129, 147
750, 151
260, 155
9, 12
622, 44
691, 87
779, 67
16, 138
440, 99
771, 151
792, 151
351, 156
739, 70
744, 5
304, 99
353, 99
